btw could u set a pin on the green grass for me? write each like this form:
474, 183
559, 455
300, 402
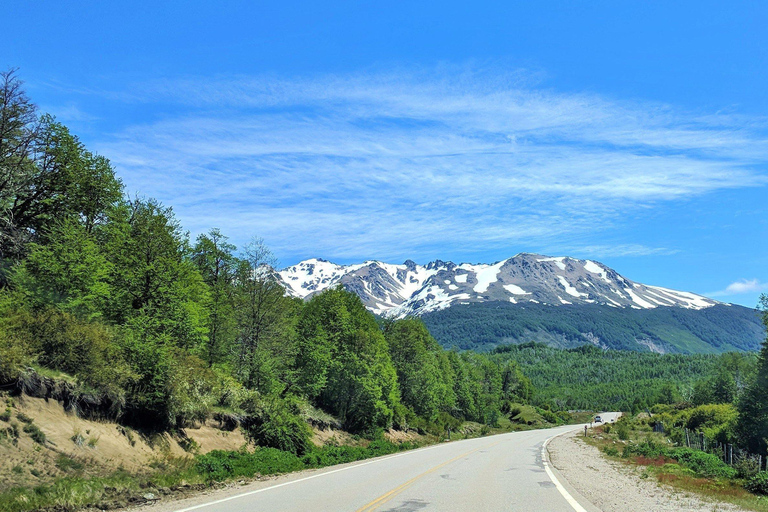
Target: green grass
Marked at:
75, 492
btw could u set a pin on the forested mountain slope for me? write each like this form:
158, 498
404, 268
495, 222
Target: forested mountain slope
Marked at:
482, 326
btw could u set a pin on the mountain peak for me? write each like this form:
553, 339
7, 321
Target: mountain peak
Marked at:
412, 289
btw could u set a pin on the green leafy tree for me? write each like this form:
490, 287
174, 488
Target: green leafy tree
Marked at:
426, 383
154, 287
214, 257
263, 321
752, 427
70, 271
357, 381
46, 175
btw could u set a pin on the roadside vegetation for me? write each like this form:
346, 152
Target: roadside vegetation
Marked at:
713, 443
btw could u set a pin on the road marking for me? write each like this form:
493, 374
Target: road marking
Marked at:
257, 491
570, 499
400, 488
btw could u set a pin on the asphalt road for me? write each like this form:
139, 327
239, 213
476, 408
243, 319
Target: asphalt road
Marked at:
502, 472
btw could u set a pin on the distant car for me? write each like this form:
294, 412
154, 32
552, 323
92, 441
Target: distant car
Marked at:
598, 419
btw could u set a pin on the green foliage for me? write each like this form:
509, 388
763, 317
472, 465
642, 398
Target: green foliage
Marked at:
485, 325
752, 428
589, 378
65, 463
277, 426
716, 421
758, 484
221, 465
423, 372
622, 430
702, 463
343, 362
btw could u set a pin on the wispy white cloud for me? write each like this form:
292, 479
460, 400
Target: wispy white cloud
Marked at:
741, 287
389, 165
618, 250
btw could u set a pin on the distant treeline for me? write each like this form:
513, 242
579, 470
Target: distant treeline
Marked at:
588, 377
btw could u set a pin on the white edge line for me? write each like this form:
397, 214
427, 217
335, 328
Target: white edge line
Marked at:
545, 459
257, 491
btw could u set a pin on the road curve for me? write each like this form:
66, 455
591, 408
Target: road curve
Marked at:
501, 472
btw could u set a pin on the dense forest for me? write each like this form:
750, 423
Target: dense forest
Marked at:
161, 331
485, 325
590, 378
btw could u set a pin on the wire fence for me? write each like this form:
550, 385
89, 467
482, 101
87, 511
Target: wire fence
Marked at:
728, 453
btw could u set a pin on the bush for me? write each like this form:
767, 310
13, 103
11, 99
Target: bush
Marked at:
220, 465
622, 430
747, 467
276, 426
703, 463
758, 484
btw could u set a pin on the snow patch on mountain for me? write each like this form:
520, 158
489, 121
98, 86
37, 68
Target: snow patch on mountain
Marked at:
411, 289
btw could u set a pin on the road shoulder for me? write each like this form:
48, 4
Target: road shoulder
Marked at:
612, 486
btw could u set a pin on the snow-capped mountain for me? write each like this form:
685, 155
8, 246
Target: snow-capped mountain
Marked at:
411, 289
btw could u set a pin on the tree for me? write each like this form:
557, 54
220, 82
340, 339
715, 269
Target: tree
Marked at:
262, 320
341, 341
154, 288
426, 386
215, 261
752, 427
18, 139
69, 271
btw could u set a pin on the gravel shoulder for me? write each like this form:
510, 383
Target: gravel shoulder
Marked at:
613, 486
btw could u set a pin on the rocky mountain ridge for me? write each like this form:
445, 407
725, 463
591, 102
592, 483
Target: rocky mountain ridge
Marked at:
412, 289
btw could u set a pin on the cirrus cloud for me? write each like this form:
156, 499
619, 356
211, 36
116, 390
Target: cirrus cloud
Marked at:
392, 164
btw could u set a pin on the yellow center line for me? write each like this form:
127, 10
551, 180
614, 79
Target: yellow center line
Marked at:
400, 488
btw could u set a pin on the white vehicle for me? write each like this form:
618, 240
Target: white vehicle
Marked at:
598, 419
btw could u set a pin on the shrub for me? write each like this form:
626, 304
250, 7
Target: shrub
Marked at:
276, 426
35, 433
24, 418
220, 465
747, 467
703, 463
6, 415
622, 430
758, 484
65, 463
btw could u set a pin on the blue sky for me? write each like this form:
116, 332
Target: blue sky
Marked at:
634, 133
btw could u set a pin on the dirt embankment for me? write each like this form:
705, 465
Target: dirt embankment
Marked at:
93, 447
612, 486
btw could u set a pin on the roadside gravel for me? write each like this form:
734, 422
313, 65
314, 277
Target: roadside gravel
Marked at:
615, 487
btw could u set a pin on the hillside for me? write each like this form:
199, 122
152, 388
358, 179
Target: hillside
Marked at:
484, 325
